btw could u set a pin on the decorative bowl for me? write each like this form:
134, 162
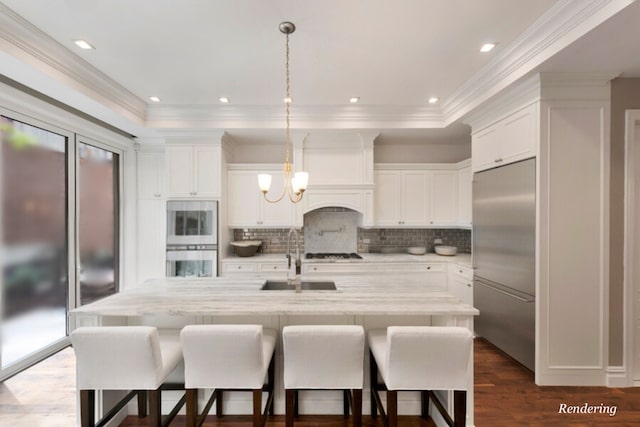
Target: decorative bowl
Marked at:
446, 250
417, 250
246, 248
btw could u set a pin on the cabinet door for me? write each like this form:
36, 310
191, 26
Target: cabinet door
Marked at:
518, 136
465, 178
273, 214
387, 198
415, 198
206, 171
486, 148
180, 171
151, 239
443, 202
150, 175
242, 194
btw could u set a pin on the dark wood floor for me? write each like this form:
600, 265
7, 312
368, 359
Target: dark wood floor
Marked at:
505, 396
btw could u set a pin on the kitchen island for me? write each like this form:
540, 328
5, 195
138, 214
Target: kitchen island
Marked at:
374, 301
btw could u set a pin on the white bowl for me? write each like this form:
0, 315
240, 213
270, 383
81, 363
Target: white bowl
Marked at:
417, 250
446, 250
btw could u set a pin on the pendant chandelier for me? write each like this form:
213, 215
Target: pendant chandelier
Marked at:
295, 185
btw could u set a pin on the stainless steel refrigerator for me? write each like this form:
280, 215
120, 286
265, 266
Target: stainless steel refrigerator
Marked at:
504, 221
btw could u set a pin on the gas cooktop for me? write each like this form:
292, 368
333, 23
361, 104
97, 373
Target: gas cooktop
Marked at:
328, 255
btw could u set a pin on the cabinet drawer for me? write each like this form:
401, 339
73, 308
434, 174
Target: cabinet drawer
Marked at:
462, 272
269, 267
243, 267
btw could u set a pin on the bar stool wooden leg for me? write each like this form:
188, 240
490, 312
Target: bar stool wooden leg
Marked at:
290, 397
459, 408
192, 407
424, 404
257, 407
271, 376
345, 403
392, 408
373, 381
155, 410
357, 407
142, 403
219, 403
87, 408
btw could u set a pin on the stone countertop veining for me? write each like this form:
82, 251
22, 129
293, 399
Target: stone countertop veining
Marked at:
463, 259
356, 295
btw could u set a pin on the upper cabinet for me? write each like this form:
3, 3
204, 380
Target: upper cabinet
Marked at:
465, 183
510, 139
193, 171
443, 197
417, 196
246, 204
401, 198
151, 176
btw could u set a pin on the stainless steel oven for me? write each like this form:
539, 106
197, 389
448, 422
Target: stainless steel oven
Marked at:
192, 238
192, 261
192, 222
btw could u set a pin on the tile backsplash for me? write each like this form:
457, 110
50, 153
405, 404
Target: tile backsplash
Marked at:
397, 240
379, 239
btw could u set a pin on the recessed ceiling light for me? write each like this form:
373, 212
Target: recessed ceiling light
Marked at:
224, 100
154, 98
354, 99
83, 44
288, 100
433, 100
487, 47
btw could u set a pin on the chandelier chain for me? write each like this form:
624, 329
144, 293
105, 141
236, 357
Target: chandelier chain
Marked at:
287, 100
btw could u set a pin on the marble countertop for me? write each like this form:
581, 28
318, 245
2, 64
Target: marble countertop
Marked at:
356, 295
463, 259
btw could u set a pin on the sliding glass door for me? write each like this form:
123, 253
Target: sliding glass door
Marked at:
59, 235
35, 276
98, 195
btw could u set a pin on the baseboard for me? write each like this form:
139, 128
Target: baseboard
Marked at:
617, 376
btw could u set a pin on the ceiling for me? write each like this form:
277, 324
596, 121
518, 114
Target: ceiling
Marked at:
394, 56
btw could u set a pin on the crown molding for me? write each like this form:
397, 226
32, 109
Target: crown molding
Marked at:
561, 25
564, 23
31, 45
302, 117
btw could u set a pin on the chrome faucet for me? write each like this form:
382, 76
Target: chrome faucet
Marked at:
298, 262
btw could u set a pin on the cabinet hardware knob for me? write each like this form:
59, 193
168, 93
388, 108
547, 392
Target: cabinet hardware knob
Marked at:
428, 267
275, 267
315, 268
469, 284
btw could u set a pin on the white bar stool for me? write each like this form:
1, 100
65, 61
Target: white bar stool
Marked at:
228, 357
324, 357
132, 358
423, 358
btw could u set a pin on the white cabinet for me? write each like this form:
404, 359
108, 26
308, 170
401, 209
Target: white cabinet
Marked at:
151, 176
443, 197
246, 205
401, 198
465, 185
511, 139
416, 197
193, 171
461, 282
151, 215
255, 267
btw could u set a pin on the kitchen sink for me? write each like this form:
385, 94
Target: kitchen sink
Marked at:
283, 285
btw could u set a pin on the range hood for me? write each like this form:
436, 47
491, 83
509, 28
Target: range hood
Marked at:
340, 166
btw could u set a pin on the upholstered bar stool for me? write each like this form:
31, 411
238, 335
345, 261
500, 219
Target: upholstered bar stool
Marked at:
324, 357
228, 358
423, 358
132, 358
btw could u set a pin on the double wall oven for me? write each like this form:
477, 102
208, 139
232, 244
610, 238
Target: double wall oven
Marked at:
192, 238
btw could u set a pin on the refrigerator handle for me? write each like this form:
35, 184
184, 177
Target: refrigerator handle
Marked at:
504, 292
